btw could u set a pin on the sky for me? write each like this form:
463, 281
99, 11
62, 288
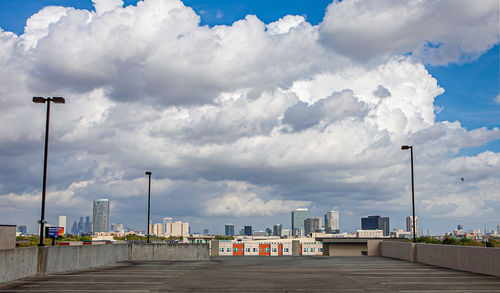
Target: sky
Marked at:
246, 110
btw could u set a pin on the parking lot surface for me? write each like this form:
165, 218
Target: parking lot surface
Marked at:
262, 274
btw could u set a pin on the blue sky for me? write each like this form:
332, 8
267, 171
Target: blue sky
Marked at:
225, 123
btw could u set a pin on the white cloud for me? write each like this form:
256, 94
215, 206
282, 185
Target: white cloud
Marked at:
242, 202
437, 31
497, 99
248, 119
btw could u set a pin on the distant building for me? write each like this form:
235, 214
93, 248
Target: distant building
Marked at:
369, 233
286, 233
157, 229
376, 223
74, 229
259, 233
401, 234
165, 221
205, 231
498, 229
312, 225
332, 222
298, 217
117, 227
277, 230
248, 230
460, 227
88, 225
101, 216
177, 229
409, 224
229, 230
62, 223
22, 229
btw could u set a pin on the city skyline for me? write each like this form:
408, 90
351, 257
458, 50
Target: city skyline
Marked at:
245, 111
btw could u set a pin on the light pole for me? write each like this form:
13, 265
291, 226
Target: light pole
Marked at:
149, 200
405, 147
41, 100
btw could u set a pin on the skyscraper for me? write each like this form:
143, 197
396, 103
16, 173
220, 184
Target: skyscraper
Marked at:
166, 220
22, 229
277, 230
312, 225
409, 224
88, 225
248, 230
376, 223
332, 222
298, 217
62, 223
229, 230
101, 216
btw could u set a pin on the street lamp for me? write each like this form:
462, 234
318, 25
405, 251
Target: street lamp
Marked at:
149, 200
406, 147
41, 100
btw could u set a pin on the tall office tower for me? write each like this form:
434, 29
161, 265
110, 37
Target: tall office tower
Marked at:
74, 229
332, 222
460, 227
62, 223
298, 217
277, 230
165, 222
88, 225
157, 229
229, 230
22, 229
409, 224
205, 231
101, 216
177, 229
248, 230
498, 229
376, 223
81, 226
312, 225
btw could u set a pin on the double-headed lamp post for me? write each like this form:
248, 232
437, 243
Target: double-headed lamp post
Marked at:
149, 201
41, 100
406, 147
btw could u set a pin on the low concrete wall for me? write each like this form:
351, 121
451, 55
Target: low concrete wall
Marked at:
18, 263
56, 259
483, 260
21, 263
397, 249
168, 252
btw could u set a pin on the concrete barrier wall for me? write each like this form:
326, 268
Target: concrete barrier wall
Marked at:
56, 259
484, 260
18, 263
397, 249
21, 263
168, 252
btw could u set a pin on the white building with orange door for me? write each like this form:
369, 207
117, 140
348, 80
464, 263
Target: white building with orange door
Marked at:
267, 247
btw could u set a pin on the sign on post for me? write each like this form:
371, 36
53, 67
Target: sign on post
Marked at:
54, 231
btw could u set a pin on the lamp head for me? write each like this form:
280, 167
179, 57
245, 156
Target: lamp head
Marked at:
148, 173
39, 100
58, 100
406, 147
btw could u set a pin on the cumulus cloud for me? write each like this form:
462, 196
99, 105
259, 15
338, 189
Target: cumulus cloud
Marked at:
438, 32
243, 202
247, 120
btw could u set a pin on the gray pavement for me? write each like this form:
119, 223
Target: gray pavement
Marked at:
263, 274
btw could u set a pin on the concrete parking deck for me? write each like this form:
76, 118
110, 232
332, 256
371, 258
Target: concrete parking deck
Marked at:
263, 274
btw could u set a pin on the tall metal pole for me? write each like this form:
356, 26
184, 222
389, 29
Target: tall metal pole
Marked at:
413, 195
149, 202
44, 186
